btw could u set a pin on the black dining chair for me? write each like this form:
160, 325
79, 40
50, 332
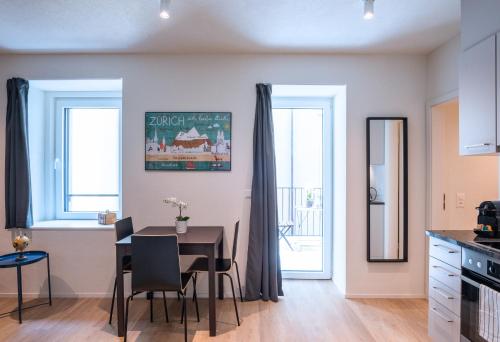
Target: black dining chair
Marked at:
124, 228
156, 266
222, 266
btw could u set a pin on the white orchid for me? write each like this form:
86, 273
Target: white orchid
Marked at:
176, 203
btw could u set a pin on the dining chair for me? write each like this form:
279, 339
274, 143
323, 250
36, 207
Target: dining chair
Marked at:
222, 266
156, 266
124, 228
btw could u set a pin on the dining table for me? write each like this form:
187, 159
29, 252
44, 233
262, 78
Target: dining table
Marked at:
198, 240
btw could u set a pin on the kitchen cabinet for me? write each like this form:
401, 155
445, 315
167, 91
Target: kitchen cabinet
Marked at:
479, 133
377, 142
444, 290
478, 20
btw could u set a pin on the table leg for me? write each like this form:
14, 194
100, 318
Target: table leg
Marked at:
120, 314
220, 255
48, 279
211, 292
19, 293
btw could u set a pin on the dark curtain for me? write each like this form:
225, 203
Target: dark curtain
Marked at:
17, 169
263, 280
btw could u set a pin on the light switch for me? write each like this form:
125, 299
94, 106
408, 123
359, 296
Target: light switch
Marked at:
247, 193
460, 200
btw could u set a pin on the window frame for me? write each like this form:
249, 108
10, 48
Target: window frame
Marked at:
56, 158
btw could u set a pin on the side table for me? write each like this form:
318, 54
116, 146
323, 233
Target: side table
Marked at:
9, 260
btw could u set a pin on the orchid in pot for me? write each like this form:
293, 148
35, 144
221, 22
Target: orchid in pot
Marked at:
180, 221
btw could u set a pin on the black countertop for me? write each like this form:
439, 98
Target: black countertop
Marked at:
466, 239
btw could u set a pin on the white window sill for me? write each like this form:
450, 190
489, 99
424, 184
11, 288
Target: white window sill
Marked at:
71, 225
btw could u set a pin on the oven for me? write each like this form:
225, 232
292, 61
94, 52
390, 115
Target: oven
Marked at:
477, 269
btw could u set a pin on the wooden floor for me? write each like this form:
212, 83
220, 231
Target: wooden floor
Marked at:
311, 311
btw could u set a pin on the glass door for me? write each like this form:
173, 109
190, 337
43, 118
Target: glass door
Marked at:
303, 144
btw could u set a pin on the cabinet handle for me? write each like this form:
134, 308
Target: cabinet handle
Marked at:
439, 314
450, 274
477, 145
442, 293
449, 250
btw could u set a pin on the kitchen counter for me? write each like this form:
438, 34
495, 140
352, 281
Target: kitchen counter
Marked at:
467, 239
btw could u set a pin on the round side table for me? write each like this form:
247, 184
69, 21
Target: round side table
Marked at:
9, 260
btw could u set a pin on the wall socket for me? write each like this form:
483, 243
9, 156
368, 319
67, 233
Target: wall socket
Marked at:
460, 200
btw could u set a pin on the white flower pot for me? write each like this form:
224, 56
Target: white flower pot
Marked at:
181, 227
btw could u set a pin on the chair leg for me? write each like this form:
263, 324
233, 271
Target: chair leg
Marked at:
183, 309
195, 278
126, 318
239, 282
165, 306
112, 303
151, 306
185, 318
195, 297
234, 298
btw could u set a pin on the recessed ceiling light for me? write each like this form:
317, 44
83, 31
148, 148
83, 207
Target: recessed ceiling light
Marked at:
368, 12
165, 9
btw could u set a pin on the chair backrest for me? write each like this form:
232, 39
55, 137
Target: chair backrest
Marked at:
124, 228
155, 261
235, 240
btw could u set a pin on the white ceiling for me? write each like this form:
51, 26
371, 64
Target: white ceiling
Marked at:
225, 26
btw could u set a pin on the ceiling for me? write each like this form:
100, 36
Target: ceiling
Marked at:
225, 26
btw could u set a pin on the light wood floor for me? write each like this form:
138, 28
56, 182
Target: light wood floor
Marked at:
311, 311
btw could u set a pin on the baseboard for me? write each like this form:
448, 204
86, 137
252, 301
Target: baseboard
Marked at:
59, 295
96, 295
384, 296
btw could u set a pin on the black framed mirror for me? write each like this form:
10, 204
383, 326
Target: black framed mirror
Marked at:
387, 189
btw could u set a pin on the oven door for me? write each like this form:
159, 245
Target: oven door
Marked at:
469, 307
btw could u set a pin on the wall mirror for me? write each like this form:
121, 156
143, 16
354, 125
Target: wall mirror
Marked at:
387, 189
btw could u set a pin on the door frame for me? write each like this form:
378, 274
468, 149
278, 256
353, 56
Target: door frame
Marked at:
432, 103
428, 172
327, 104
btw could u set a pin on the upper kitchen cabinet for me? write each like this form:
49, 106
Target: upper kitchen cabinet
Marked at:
478, 91
479, 87
478, 20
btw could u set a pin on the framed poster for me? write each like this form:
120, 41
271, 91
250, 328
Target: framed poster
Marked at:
192, 141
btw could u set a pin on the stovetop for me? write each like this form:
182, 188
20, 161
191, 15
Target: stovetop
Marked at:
492, 243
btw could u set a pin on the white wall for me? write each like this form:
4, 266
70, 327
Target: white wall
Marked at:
476, 177
36, 147
376, 85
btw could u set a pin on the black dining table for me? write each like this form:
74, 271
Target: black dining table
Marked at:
199, 240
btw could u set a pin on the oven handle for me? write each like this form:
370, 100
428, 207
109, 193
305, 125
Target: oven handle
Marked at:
470, 281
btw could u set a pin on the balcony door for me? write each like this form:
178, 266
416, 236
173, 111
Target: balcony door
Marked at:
303, 144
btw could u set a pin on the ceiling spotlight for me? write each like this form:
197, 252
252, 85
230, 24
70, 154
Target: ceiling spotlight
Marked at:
368, 13
165, 9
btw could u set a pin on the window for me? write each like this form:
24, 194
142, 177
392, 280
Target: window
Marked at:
87, 156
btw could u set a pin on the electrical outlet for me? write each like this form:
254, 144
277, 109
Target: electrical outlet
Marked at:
460, 200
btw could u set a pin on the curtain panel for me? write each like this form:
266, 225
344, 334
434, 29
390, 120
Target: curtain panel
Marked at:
263, 280
18, 213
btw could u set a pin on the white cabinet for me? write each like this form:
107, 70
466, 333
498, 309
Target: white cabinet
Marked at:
377, 231
377, 142
478, 20
479, 133
444, 290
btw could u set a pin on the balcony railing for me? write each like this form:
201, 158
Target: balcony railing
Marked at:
301, 210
